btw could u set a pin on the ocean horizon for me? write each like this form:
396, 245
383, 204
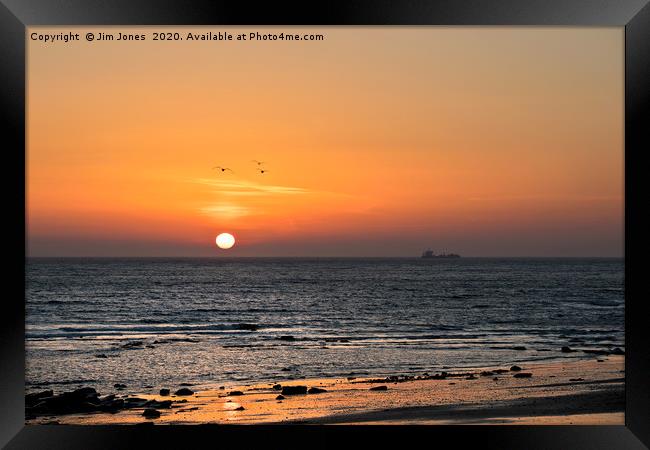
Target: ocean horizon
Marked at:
27, 258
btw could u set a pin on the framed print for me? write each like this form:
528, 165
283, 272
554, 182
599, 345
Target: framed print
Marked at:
352, 219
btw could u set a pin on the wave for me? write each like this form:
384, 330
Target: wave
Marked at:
60, 382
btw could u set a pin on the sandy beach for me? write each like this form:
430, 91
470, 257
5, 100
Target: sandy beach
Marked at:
568, 392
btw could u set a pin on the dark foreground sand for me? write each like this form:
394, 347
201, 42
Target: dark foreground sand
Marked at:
569, 392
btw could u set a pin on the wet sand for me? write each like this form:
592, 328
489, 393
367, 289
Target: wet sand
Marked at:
567, 392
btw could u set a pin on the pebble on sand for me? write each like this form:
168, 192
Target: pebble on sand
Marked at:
523, 375
184, 391
294, 390
379, 388
151, 413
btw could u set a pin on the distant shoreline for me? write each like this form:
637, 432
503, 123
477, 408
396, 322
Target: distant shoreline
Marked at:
325, 257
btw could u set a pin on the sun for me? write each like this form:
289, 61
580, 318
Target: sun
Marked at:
225, 240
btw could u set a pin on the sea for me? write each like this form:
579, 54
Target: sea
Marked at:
150, 323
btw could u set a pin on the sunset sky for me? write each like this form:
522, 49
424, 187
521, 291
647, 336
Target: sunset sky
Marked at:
378, 141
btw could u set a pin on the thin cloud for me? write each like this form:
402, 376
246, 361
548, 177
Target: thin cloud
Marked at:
561, 198
225, 211
228, 191
249, 188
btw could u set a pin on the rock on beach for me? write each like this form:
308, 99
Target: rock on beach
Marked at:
294, 390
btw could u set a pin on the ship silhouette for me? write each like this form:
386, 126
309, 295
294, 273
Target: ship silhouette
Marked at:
429, 254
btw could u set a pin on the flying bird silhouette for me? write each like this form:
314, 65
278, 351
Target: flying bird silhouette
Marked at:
259, 163
223, 169
263, 171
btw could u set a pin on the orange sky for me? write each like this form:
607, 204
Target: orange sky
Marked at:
378, 141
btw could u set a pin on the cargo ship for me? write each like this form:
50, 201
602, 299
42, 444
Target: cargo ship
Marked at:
430, 254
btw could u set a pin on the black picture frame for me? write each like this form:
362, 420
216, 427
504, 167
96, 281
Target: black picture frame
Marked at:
633, 15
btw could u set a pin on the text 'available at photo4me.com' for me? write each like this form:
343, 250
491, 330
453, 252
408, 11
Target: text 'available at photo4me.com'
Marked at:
216, 36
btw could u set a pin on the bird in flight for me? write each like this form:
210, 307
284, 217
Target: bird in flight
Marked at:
259, 163
262, 171
223, 169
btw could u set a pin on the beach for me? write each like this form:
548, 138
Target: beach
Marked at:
566, 392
